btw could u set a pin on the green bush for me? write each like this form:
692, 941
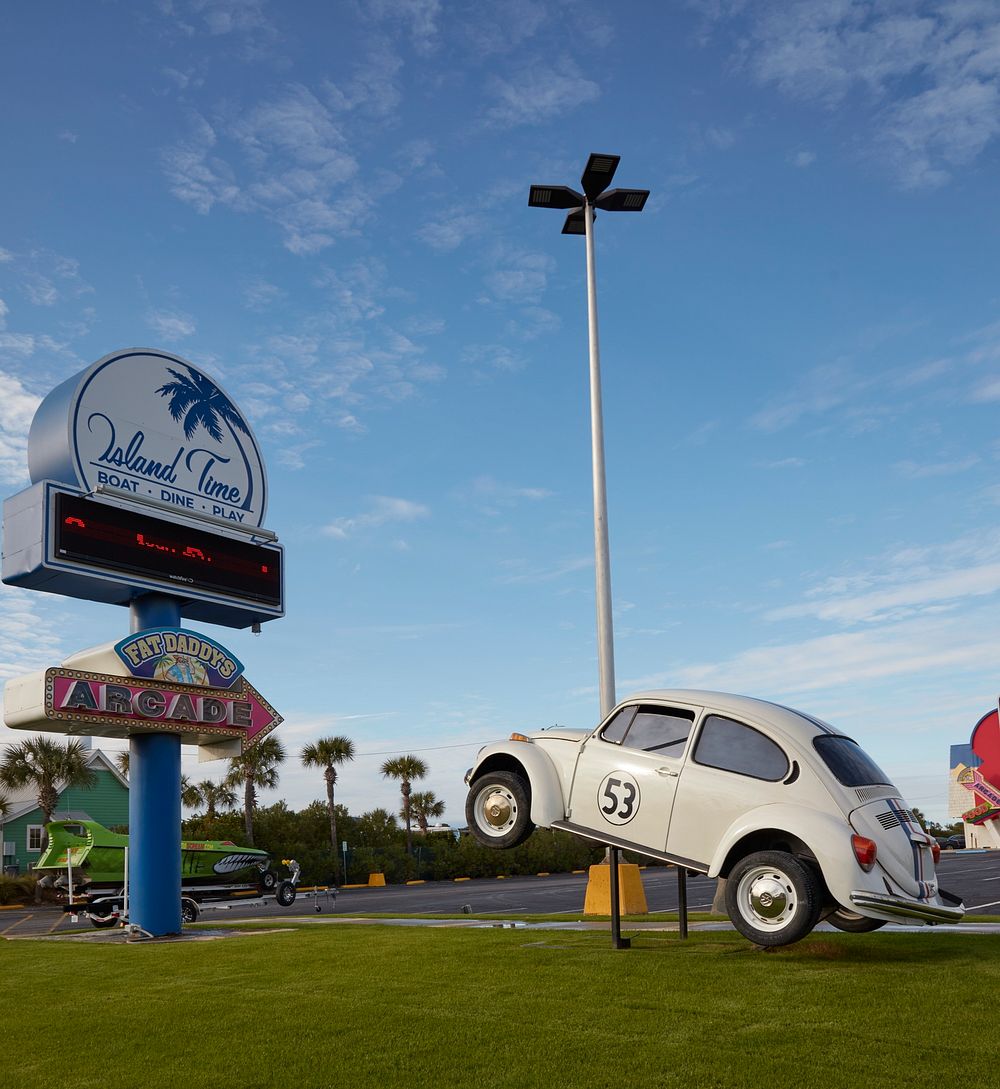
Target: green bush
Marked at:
11, 890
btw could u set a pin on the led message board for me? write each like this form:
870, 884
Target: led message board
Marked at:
61, 541
94, 534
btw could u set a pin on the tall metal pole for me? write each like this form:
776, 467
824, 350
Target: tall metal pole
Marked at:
602, 557
154, 803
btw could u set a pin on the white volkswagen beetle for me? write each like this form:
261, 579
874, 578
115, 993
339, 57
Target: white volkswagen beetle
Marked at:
796, 817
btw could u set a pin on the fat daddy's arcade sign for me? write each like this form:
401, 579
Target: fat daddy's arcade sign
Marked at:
154, 425
129, 687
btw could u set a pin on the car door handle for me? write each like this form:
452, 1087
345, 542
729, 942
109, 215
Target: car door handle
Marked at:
667, 773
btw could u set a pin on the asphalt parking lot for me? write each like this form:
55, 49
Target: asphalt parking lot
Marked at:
973, 875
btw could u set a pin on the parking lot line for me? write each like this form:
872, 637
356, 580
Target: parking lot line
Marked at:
8, 929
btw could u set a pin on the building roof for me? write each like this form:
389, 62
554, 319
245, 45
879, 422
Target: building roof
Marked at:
25, 800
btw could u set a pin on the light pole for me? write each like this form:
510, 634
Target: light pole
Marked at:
596, 178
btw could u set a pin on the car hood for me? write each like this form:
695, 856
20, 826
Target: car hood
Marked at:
904, 848
560, 733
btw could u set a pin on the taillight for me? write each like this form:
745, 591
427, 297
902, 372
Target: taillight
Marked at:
936, 852
865, 851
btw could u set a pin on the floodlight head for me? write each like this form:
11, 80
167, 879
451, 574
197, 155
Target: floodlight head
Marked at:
575, 222
554, 196
598, 172
622, 200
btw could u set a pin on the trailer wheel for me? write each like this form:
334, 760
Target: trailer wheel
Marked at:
189, 910
102, 922
285, 894
268, 879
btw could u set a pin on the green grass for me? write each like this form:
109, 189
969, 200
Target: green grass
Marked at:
360, 1006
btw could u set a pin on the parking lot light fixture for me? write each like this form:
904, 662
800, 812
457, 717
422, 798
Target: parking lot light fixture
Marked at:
597, 176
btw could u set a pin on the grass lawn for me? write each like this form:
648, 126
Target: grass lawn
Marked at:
358, 1006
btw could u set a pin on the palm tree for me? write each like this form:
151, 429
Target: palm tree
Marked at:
215, 796
200, 401
48, 766
327, 753
122, 761
405, 768
256, 768
190, 793
425, 806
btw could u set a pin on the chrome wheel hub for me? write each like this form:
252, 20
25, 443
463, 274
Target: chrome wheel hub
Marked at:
499, 810
767, 898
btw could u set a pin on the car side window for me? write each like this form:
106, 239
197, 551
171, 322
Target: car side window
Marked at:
662, 730
733, 746
615, 729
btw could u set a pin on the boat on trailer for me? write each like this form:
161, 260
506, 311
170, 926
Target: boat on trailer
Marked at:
88, 857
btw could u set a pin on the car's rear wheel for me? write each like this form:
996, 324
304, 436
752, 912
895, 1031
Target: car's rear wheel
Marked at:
852, 922
498, 809
773, 898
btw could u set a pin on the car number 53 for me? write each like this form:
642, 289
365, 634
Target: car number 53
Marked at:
618, 797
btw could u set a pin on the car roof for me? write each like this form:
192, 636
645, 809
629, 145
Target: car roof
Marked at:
776, 715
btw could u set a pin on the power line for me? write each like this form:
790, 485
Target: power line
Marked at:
427, 748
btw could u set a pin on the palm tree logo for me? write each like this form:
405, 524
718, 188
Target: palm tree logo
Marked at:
200, 401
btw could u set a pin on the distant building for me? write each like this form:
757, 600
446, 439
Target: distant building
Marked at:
21, 831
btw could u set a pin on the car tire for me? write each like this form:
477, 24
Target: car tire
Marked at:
102, 922
498, 809
773, 899
851, 922
189, 910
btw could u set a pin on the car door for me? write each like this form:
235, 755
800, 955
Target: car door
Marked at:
733, 768
627, 773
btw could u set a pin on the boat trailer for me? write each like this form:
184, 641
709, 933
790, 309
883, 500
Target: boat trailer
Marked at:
105, 909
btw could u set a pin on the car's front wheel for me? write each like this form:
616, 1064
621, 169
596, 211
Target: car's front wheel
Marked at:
498, 809
773, 898
852, 922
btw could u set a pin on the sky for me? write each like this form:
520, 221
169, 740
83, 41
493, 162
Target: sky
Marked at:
324, 205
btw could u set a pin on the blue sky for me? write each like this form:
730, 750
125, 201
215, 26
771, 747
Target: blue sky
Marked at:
325, 206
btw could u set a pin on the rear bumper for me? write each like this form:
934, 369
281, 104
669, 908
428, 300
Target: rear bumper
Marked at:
901, 909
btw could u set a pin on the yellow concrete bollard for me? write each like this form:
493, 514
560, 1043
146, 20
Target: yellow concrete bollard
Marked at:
631, 897
376, 880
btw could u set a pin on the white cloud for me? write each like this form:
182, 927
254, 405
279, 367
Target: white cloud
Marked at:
842, 662
17, 409
170, 325
802, 159
287, 158
382, 510
28, 640
915, 471
4, 311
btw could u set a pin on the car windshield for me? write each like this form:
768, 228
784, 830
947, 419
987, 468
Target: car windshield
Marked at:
849, 762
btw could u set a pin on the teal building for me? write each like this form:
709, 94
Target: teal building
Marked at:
21, 830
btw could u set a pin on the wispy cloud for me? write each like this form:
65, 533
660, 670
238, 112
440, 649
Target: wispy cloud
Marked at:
540, 91
905, 582
382, 510
519, 574
928, 76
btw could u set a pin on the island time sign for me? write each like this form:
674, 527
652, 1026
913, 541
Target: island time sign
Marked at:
152, 424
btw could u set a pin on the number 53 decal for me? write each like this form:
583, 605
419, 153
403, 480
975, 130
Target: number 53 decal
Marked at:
618, 797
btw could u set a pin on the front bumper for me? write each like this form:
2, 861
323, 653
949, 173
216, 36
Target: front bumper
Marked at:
900, 909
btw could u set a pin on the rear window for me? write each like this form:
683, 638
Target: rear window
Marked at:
849, 762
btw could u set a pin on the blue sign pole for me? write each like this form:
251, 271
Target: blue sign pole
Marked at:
154, 804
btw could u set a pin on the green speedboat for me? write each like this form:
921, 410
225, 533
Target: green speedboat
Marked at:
96, 856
